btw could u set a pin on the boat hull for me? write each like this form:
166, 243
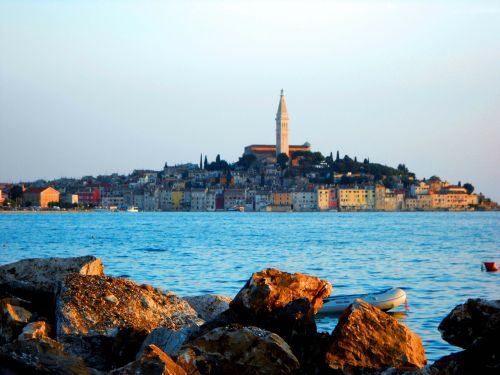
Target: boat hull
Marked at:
385, 300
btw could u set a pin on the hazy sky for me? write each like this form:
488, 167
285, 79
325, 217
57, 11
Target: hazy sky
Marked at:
95, 87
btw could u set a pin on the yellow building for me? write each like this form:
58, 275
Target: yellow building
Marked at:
354, 199
40, 197
177, 199
410, 204
323, 198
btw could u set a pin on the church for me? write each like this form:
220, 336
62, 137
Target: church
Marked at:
281, 146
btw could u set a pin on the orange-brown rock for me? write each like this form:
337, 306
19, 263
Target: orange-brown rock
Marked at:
12, 320
367, 338
108, 331
35, 330
238, 350
153, 361
271, 289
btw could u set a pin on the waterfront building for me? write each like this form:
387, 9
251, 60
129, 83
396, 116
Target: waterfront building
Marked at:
355, 199
177, 200
234, 198
333, 203
263, 199
165, 200
380, 191
210, 200
90, 195
40, 196
282, 199
410, 204
425, 201
108, 201
2, 199
322, 199
199, 199
304, 200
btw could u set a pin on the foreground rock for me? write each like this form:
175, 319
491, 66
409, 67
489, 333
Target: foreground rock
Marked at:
43, 274
105, 319
35, 330
40, 357
238, 350
367, 338
152, 361
208, 306
466, 362
168, 340
475, 324
270, 289
12, 320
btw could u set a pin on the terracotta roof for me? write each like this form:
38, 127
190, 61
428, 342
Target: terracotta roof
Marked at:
36, 189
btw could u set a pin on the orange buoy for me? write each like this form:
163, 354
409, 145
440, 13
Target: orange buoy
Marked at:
491, 266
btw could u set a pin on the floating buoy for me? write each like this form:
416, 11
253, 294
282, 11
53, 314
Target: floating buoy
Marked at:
491, 266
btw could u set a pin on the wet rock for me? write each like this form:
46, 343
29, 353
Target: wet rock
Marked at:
169, 341
109, 335
238, 350
271, 289
208, 306
43, 274
12, 321
475, 324
153, 361
367, 338
35, 330
40, 357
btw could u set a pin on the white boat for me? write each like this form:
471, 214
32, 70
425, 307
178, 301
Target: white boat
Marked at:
132, 209
384, 300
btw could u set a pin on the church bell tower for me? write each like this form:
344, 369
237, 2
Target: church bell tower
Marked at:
282, 127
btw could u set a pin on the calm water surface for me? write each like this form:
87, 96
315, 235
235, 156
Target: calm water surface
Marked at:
435, 257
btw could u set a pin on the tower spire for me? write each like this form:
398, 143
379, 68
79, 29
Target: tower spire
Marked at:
282, 127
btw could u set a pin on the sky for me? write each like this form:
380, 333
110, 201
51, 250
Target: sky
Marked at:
96, 87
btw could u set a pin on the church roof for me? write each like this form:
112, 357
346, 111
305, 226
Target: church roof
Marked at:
282, 113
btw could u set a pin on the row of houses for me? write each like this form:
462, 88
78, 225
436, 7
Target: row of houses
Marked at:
312, 198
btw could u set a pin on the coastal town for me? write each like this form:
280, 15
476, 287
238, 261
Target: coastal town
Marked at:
268, 178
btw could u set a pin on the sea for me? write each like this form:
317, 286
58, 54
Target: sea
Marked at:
436, 257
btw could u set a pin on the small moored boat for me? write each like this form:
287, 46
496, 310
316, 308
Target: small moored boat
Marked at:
384, 300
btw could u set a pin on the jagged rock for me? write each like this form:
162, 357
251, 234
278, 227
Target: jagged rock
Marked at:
208, 306
169, 341
40, 357
270, 289
367, 338
35, 330
106, 334
43, 274
152, 361
466, 362
12, 321
238, 350
475, 324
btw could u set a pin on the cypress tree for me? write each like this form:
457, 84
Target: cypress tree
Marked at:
205, 165
338, 156
201, 161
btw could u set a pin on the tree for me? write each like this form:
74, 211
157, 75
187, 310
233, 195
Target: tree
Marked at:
217, 159
338, 156
282, 160
201, 163
246, 161
16, 193
205, 163
469, 188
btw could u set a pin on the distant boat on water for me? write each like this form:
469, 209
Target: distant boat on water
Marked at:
132, 209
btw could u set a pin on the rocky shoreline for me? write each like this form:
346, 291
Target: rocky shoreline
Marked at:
65, 316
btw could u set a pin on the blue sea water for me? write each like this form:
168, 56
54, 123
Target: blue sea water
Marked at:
435, 257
